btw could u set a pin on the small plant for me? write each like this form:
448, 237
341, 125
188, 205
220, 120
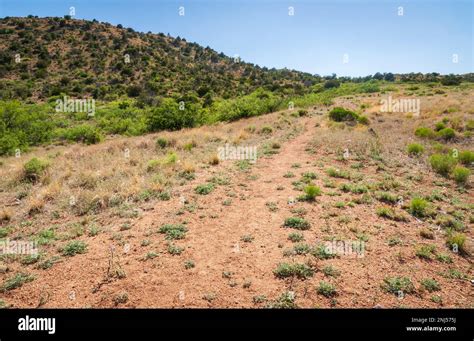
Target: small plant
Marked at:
326, 289
74, 247
322, 252
389, 213
330, 271
120, 298
189, 264
285, 301
461, 175
395, 285
386, 197
259, 299
456, 241
442, 164
363, 120
415, 149
161, 142
466, 157
430, 284
289, 175
34, 168
444, 258
340, 114
173, 231
247, 238
301, 249
446, 134
285, 270
425, 251
266, 130
336, 173
418, 207
204, 189
297, 223
311, 192
424, 132
175, 250
295, 237
16, 281
427, 234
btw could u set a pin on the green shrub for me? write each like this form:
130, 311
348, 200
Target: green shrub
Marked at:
461, 175
336, 173
424, 132
340, 114
82, 133
173, 231
442, 164
466, 157
73, 248
321, 252
415, 149
16, 281
161, 142
425, 251
430, 284
440, 126
34, 168
311, 192
363, 120
295, 237
168, 116
301, 271
446, 134
456, 240
418, 207
326, 289
395, 285
297, 223
204, 189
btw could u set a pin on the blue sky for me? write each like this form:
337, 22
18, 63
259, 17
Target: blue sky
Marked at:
315, 39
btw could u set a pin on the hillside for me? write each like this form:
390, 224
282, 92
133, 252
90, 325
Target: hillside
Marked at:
89, 58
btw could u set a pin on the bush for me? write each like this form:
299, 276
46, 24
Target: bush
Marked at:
424, 132
168, 116
418, 207
204, 189
34, 168
311, 192
73, 248
442, 164
461, 175
297, 223
440, 126
466, 157
173, 231
326, 289
332, 83
363, 120
430, 284
82, 133
161, 142
340, 114
447, 134
456, 240
415, 149
285, 270
395, 285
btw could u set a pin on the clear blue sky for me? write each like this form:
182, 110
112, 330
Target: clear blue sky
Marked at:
314, 40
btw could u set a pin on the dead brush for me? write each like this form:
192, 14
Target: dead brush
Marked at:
114, 270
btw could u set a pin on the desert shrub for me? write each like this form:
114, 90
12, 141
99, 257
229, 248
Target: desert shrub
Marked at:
297, 223
456, 240
415, 149
430, 284
363, 120
442, 164
311, 192
34, 168
204, 189
446, 134
74, 247
395, 285
168, 116
461, 175
173, 231
301, 271
326, 289
439, 126
340, 114
82, 133
418, 207
424, 132
295, 237
16, 281
466, 157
